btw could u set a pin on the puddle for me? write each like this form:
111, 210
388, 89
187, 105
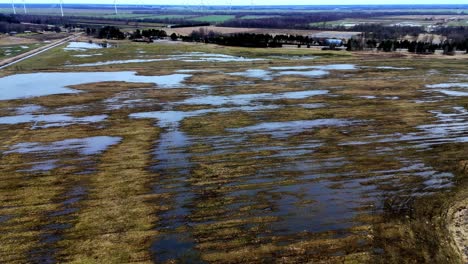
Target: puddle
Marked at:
393, 68
49, 156
285, 57
48, 83
82, 46
105, 63
254, 73
449, 128
317, 67
84, 146
192, 71
211, 57
170, 152
317, 71
187, 57
5, 218
175, 247
46, 165
314, 73
284, 68
286, 129
246, 99
87, 55
28, 109
123, 100
312, 106
53, 120
311, 71
453, 93
448, 85
172, 118
442, 88
170, 81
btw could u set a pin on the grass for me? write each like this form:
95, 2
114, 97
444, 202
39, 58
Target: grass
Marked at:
15, 50
461, 23
119, 220
120, 190
213, 18
419, 20
257, 17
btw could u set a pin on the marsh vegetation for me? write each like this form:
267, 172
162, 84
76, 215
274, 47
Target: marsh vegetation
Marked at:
207, 154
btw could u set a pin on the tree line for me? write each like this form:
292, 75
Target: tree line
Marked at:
354, 44
250, 39
148, 34
419, 47
106, 32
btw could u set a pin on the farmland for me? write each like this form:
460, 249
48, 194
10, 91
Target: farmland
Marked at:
185, 152
454, 15
234, 134
213, 18
425, 21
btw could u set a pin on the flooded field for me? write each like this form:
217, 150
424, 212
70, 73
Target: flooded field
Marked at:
203, 154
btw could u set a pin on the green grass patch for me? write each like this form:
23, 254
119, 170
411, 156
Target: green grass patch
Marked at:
213, 18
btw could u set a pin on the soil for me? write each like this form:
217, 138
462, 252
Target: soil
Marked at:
459, 228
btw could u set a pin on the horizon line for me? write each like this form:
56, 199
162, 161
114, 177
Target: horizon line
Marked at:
111, 4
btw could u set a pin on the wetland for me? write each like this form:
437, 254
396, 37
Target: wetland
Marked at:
181, 153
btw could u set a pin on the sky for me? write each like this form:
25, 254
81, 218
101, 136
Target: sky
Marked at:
247, 2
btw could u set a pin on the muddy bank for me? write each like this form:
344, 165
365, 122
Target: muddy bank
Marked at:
458, 219
458, 226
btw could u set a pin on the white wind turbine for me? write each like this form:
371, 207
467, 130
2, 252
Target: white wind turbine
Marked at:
61, 7
185, 4
13, 6
115, 7
24, 7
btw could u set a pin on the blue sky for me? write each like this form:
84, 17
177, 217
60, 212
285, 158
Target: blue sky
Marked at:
247, 2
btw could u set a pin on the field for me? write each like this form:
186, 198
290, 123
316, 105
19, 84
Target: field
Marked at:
213, 18
14, 50
188, 153
426, 21
454, 15
231, 30
257, 17
11, 46
100, 10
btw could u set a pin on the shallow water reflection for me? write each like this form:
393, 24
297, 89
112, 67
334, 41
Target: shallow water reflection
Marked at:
48, 83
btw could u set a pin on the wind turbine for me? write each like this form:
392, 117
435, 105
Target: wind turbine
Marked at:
185, 4
115, 7
61, 6
24, 7
13, 6
229, 2
202, 5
